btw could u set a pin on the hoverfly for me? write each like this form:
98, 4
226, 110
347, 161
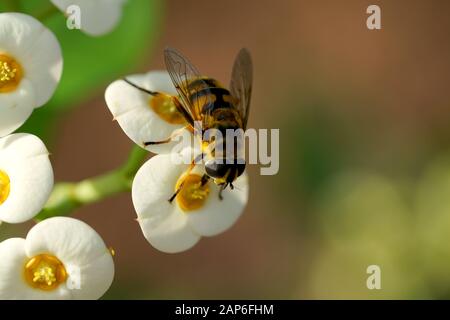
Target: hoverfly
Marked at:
204, 99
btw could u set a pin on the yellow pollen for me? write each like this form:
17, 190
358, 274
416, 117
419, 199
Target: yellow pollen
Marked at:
10, 73
44, 272
5, 186
164, 106
44, 275
192, 195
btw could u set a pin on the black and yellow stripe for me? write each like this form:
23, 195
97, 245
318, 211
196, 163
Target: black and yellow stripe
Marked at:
209, 95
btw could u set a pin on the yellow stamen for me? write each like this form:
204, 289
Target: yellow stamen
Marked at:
10, 73
164, 106
192, 195
44, 272
5, 186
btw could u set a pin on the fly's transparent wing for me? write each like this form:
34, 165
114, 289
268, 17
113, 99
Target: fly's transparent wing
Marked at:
191, 87
241, 83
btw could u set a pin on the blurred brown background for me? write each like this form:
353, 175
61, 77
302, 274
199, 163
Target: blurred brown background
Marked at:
372, 105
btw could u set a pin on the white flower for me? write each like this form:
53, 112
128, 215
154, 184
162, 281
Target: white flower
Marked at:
97, 16
61, 258
30, 68
143, 117
197, 211
26, 177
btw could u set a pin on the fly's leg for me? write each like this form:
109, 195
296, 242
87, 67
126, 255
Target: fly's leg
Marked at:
176, 192
173, 135
205, 179
191, 166
222, 187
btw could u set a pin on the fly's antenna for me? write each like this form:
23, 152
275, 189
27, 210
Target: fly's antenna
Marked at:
153, 93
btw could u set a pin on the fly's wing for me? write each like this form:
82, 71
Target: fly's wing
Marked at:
191, 87
241, 83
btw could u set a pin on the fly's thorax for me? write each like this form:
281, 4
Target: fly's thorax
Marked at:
226, 119
203, 83
220, 117
208, 94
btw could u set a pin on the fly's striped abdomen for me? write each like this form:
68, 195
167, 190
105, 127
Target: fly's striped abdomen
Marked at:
214, 104
209, 95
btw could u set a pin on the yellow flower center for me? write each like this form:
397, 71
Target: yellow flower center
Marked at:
164, 106
4, 186
10, 73
45, 272
193, 194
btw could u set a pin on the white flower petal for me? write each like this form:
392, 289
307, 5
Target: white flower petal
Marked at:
170, 234
78, 247
95, 278
16, 107
36, 49
13, 258
12, 283
24, 158
43, 66
217, 215
130, 107
163, 223
70, 240
18, 33
97, 16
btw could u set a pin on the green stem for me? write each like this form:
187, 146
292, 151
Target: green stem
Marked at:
11, 5
46, 13
67, 196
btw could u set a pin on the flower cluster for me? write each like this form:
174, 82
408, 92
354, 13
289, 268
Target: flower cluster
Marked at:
197, 210
176, 203
30, 69
61, 258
